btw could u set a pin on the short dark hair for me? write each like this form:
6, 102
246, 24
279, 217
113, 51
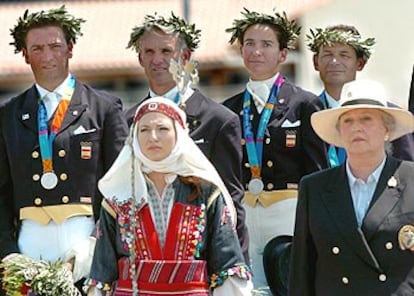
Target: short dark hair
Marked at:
58, 17
287, 32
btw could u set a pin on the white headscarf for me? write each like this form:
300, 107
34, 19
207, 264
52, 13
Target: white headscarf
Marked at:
186, 159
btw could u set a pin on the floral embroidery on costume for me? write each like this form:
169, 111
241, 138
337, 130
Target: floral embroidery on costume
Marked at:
241, 271
196, 236
192, 219
99, 285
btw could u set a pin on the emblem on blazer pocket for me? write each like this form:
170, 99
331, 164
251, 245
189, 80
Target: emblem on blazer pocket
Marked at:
86, 150
290, 138
406, 237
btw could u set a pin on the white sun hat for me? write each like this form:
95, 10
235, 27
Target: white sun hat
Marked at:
360, 94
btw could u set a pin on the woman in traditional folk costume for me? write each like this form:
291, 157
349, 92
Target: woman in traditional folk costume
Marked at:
167, 221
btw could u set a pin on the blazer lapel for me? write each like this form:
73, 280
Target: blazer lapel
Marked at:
279, 108
192, 109
28, 112
77, 106
282, 102
338, 202
384, 199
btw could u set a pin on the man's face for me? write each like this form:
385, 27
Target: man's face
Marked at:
47, 53
337, 64
156, 51
261, 53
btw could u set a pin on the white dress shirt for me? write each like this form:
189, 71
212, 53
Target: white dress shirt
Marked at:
172, 94
52, 99
260, 91
362, 192
53, 241
332, 103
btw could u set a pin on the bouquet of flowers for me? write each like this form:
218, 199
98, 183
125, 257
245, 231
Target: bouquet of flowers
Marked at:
24, 276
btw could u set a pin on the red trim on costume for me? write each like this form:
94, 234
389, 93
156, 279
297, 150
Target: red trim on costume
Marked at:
159, 107
165, 277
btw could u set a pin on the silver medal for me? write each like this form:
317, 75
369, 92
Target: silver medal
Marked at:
255, 186
49, 180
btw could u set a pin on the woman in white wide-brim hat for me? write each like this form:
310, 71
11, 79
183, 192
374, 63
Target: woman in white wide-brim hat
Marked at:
354, 232
167, 220
362, 94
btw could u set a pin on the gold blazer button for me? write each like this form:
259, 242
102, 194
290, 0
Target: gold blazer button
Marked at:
335, 250
38, 201
62, 153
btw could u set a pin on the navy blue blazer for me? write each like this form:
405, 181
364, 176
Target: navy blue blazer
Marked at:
291, 147
93, 122
331, 256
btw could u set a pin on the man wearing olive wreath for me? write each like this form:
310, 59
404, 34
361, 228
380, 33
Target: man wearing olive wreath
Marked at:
57, 139
340, 53
279, 144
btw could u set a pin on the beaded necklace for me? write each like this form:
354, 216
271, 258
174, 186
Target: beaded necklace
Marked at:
133, 215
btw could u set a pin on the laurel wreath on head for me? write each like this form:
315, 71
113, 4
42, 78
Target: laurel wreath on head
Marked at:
71, 26
326, 37
291, 28
173, 23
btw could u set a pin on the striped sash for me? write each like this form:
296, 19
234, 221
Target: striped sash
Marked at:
164, 277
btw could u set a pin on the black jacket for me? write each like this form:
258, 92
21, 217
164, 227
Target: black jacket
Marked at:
93, 120
331, 257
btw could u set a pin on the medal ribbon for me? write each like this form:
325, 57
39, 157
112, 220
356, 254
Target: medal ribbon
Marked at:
177, 98
255, 148
336, 155
46, 139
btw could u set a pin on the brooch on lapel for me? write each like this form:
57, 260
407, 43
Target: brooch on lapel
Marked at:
392, 182
406, 237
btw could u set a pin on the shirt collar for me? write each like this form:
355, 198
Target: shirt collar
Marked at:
172, 94
260, 90
373, 177
268, 82
57, 91
332, 103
